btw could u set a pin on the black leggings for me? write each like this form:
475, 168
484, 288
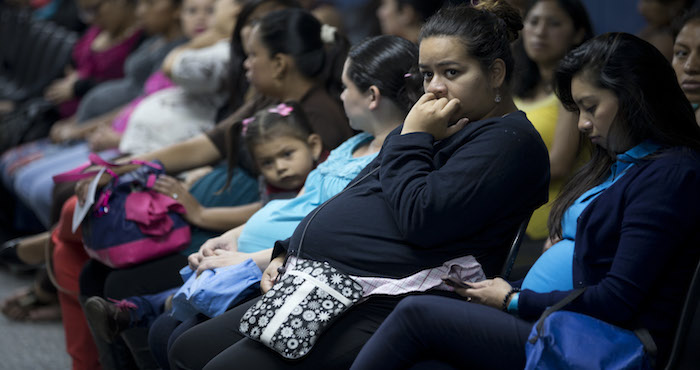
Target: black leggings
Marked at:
452, 331
218, 344
147, 278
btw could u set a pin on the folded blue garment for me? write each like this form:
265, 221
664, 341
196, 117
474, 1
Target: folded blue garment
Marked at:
214, 291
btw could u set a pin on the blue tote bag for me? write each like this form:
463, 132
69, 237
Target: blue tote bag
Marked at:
570, 340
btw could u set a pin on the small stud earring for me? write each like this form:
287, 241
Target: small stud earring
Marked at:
497, 99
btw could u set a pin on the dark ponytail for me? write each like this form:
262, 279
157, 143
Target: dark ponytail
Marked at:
298, 33
391, 64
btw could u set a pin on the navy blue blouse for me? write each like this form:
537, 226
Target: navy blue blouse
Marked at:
637, 246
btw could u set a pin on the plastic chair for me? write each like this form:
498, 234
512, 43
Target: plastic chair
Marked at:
515, 248
685, 353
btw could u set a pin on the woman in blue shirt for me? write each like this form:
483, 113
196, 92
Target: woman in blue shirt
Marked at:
626, 223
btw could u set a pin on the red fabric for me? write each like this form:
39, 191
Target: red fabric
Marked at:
100, 66
36, 4
149, 209
69, 257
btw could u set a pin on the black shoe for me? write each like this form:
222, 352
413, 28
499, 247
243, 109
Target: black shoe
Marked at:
106, 320
9, 257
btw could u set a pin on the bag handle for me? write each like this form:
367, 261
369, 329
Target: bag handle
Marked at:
642, 334
648, 343
95, 160
556, 307
282, 268
78, 174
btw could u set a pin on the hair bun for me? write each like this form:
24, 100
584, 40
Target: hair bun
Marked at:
507, 13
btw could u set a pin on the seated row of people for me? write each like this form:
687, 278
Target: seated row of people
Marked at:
622, 227
297, 73
34, 163
446, 192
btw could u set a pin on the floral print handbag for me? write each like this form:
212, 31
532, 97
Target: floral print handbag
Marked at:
291, 316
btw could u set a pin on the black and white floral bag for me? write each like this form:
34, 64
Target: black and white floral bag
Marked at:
291, 316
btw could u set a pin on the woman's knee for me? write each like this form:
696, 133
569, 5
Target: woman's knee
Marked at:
416, 306
183, 353
198, 345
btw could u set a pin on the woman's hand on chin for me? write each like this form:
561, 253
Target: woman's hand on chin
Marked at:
432, 114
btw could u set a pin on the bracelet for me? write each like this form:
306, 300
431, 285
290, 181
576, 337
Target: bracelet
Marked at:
512, 291
513, 305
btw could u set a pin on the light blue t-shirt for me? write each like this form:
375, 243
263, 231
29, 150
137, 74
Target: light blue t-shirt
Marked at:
278, 218
554, 269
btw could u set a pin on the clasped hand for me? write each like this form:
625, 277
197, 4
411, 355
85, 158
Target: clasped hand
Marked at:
220, 258
216, 252
432, 115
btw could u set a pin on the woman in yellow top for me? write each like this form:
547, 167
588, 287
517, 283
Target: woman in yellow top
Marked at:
551, 29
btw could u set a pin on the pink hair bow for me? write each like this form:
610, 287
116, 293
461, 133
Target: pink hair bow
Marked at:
245, 124
282, 109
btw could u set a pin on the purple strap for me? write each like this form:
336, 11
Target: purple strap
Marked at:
95, 160
151, 181
102, 204
78, 174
